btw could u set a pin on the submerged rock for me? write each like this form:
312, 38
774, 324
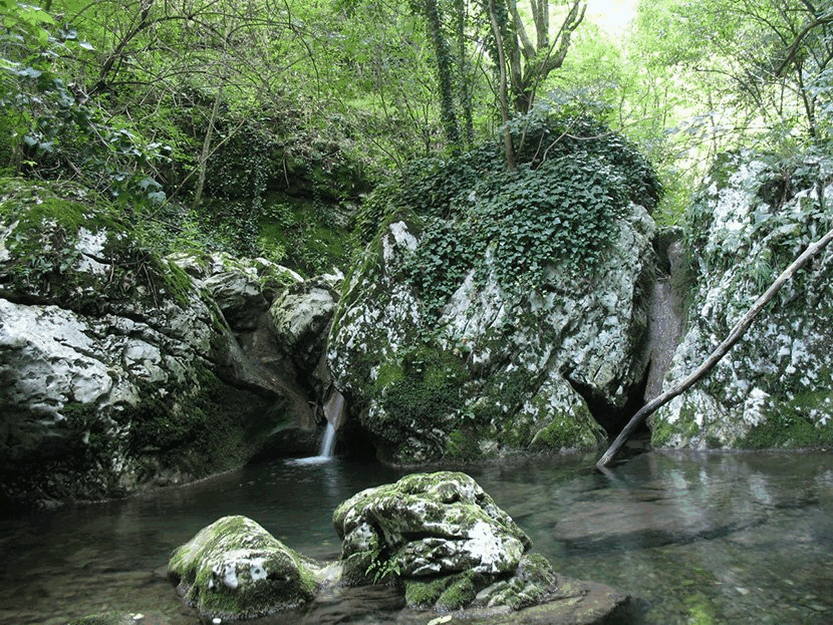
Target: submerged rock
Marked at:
773, 388
117, 369
234, 569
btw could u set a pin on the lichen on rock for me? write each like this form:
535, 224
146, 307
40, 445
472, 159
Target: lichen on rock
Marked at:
773, 388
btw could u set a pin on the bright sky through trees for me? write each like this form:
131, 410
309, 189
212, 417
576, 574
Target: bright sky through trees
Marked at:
613, 16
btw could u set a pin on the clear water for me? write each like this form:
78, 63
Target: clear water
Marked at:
699, 539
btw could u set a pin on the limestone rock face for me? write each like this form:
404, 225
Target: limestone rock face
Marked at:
300, 317
494, 373
234, 569
773, 388
117, 370
242, 288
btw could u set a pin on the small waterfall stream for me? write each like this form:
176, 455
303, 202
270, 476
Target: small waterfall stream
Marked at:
328, 442
333, 412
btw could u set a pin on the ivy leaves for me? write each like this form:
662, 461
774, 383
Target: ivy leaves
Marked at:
560, 208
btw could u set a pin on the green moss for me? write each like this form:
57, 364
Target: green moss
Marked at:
463, 444
424, 593
420, 391
787, 424
461, 592
447, 593
568, 431
285, 578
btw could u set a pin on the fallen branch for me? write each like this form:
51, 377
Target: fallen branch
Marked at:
719, 352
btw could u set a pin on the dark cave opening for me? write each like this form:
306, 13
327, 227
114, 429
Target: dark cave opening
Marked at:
611, 417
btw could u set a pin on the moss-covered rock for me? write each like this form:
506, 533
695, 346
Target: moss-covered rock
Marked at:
234, 569
445, 540
754, 215
118, 369
496, 373
424, 525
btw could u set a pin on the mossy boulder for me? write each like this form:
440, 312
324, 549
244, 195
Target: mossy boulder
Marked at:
119, 371
445, 540
752, 218
234, 569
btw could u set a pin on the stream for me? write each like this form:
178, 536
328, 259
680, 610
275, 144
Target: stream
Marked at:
698, 539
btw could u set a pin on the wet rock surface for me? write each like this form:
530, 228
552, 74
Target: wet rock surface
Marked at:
773, 388
493, 375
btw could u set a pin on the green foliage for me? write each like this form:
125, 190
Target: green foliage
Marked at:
574, 181
52, 131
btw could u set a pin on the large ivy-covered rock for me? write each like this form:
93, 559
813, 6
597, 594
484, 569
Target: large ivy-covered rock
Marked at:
493, 373
117, 370
234, 569
493, 310
752, 219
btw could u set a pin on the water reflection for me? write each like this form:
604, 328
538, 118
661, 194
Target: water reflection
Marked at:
731, 538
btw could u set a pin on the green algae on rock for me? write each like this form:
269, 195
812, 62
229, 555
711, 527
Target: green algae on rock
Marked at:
234, 569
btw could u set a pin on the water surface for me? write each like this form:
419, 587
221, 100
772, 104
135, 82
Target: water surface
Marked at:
699, 539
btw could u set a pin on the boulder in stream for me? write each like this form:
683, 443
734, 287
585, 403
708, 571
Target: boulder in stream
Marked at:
491, 316
437, 538
234, 569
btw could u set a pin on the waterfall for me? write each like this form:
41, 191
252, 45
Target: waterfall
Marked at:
328, 442
334, 413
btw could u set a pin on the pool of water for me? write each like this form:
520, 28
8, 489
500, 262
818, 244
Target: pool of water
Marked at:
697, 539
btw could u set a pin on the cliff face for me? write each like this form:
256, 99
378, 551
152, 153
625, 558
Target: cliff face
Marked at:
753, 217
119, 368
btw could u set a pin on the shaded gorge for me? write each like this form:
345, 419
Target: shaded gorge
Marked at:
720, 538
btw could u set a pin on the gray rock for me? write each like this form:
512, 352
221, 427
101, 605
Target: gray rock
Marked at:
234, 569
773, 388
492, 375
301, 316
118, 370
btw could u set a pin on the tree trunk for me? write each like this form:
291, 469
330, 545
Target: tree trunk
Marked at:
719, 352
206, 149
508, 148
443, 58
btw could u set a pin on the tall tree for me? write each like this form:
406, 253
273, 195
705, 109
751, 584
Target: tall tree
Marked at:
532, 60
